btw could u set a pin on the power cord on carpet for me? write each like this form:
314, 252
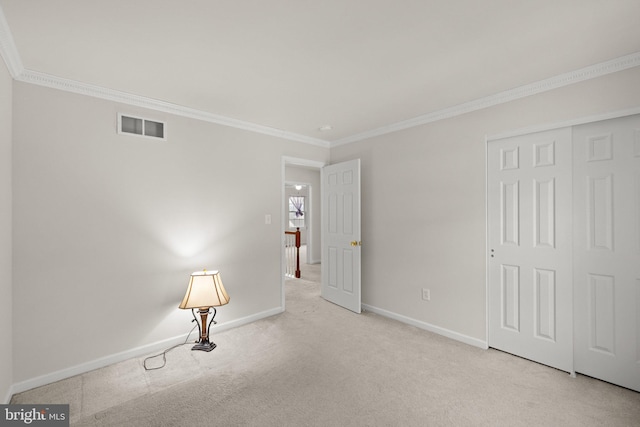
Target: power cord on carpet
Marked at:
164, 353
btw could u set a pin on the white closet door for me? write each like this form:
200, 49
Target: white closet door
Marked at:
530, 270
607, 250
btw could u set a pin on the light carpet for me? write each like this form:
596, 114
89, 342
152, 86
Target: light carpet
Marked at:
320, 365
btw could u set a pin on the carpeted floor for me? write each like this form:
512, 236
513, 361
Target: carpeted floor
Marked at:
320, 365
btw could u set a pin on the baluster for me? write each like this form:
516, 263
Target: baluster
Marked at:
297, 252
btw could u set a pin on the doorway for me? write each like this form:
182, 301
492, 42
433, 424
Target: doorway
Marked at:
298, 214
301, 178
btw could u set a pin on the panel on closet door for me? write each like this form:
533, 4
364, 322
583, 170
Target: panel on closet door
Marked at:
545, 304
602, 313
544, 154
600, 212
599, 148
544, 211
511, 297
510, 209
509, 158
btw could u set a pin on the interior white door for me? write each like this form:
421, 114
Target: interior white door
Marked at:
607, 250
529, 270
341, 242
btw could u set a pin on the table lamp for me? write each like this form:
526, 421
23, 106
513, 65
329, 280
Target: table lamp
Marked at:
205, 292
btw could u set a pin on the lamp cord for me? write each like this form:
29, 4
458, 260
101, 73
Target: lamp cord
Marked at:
164, 353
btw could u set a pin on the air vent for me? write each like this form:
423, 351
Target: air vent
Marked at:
142, 127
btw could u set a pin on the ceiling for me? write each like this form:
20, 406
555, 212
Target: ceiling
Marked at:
298, 65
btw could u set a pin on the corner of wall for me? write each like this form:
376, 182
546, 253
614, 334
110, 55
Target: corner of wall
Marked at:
9, 395
6, 245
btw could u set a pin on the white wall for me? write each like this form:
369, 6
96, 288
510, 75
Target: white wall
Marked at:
108, 227
423, 202
311, 177
6, 328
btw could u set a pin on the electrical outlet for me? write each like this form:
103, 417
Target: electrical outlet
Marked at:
426, 294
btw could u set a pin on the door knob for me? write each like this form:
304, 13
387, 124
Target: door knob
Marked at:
356, 243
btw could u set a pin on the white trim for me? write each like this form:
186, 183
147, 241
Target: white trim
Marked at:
283, 268
487, 241
587, 73
428, 327
9, 395
564, 124
132, 353
309, 222
295, 161
8, 49
47, 80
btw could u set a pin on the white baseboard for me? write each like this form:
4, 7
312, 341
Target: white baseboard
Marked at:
428, 327
129, 354
7, 398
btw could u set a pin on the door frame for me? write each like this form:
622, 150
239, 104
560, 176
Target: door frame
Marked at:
291, 161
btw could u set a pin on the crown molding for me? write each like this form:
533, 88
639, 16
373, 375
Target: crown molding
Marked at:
296, 161
10, 54
587, 73
563, 124
47, 80
8, 49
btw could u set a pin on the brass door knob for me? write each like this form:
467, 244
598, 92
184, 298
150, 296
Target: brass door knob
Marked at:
356, 243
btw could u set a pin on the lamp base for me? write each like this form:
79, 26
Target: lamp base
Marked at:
204, 346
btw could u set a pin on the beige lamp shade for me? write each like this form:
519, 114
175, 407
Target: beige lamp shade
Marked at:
205, 290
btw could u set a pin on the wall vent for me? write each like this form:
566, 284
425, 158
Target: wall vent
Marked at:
142, 127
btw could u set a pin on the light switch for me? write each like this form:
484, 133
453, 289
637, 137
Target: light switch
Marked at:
267, 219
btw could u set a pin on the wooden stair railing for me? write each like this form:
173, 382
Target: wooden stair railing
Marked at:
292, 253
